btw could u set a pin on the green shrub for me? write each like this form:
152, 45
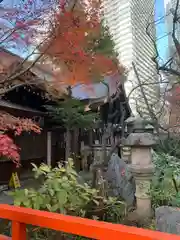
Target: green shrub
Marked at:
169, 146
165, 183
62, 193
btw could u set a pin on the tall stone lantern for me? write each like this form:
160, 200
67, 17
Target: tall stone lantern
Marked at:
141, 141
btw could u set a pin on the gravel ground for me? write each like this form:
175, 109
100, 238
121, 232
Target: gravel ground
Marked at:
5, 198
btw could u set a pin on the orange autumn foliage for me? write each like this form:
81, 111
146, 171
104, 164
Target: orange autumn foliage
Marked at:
71, 44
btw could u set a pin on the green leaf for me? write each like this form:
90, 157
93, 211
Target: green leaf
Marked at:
45, 168
55, 207
62, 170
56, 185
27, 203
17, 202
62, 197
51, 192
36, 205
48, 207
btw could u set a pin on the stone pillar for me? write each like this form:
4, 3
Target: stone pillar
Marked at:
126, 154
49, 147
141, 166
98, 153
97, 168
85, 151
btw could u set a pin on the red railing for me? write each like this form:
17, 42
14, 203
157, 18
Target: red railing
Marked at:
74, 225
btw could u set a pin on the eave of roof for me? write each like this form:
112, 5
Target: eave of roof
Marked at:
6, 104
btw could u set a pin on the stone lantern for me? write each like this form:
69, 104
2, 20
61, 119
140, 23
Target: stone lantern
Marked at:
149, 128
130, 124
141, 141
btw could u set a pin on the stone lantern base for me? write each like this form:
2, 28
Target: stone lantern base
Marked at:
143, 175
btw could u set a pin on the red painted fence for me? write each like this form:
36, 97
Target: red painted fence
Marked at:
74, 225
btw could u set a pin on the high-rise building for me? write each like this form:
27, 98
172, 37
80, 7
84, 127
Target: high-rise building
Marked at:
128, 21
170, 8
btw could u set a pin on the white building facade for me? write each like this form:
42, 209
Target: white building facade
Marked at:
127, 21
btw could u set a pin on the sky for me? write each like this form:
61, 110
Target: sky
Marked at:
160, 26
162, 41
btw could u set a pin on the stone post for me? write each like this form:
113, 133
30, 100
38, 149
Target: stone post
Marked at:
98, 153
141, 165
49, 148
85, 151
126, 154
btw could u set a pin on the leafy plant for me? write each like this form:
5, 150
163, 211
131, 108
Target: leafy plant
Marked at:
165, 183
176, 200
71, 114
169, 146
62, 193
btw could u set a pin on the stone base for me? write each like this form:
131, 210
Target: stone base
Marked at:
144, 209
134, 219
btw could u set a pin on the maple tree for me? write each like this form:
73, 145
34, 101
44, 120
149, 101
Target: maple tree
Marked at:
8, 149
74, 37
73, 43
67, 45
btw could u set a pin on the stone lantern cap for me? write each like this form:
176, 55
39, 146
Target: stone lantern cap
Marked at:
140, 139
139, 125
130, 123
